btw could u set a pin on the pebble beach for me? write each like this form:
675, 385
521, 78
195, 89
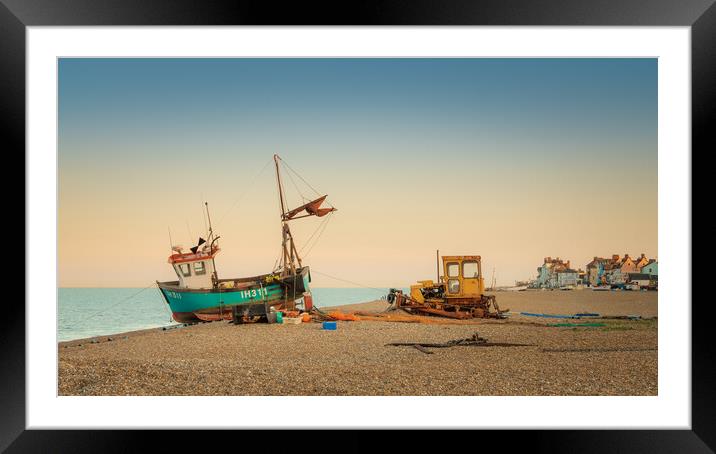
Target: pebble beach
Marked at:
220, 358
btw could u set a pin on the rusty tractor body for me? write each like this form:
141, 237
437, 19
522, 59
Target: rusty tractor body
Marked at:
459, 292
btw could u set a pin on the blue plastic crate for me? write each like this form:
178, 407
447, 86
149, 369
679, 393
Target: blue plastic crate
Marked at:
330, 326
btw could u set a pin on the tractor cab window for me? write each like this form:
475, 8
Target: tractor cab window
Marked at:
184, 269
454, 285
453, 269
470, 270
199, 268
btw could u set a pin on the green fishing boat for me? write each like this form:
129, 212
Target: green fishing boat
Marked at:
199, 294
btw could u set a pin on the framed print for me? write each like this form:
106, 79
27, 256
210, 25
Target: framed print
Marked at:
443, 217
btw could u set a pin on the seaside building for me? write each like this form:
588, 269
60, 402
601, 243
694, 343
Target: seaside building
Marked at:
615, 276
614, 270
581, 277
641, 279
625, 265
651, 268
555, 273
567, 278
641, 262
595, 271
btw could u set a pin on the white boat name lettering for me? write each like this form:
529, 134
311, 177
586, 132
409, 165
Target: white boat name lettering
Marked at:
253, 293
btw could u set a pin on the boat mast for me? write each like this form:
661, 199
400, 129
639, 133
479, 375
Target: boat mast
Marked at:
280, 188
215, 275
289, 252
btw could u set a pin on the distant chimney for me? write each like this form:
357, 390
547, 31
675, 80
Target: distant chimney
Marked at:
568, 264
642, 255
595, 258
615, 257
626, 256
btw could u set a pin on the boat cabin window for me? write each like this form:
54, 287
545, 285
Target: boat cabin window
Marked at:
453, 269
469, 269
199, 268
184, 269
453, 285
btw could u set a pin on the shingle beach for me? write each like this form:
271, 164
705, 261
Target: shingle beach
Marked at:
219, 358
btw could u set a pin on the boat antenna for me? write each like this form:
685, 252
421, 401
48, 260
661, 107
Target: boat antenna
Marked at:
203, 218
171, 243
206, 206
437, 264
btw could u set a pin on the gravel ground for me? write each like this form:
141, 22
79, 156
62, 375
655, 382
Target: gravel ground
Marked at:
575, 301
561, 302
259, 359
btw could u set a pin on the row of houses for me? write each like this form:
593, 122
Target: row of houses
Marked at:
616, 270
621, 270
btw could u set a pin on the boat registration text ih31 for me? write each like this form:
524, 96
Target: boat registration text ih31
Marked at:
199, 294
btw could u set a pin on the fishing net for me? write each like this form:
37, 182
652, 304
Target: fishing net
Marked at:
408, 318
336, 315
391, 316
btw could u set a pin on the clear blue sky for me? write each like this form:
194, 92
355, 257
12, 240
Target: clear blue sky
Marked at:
513, 127
244, 100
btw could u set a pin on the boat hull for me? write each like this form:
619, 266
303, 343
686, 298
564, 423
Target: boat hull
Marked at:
253, 296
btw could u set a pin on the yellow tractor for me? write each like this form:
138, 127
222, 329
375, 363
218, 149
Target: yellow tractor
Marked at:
458, 293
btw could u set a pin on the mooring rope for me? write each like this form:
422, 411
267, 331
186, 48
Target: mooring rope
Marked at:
164, 303
382, 291
112, 306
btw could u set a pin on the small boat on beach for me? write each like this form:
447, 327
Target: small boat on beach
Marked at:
200, 295
517, 288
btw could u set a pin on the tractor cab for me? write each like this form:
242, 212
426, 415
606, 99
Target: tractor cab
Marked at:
458, 293
462, 276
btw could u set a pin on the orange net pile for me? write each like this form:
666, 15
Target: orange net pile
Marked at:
402, 317
336, 315
395, 316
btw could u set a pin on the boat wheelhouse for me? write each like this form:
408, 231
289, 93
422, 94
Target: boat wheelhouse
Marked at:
194, 269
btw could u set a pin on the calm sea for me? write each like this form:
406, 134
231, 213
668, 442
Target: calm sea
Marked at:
87, 312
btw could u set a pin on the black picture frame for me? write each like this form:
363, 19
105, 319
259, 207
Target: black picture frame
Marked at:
16, 15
